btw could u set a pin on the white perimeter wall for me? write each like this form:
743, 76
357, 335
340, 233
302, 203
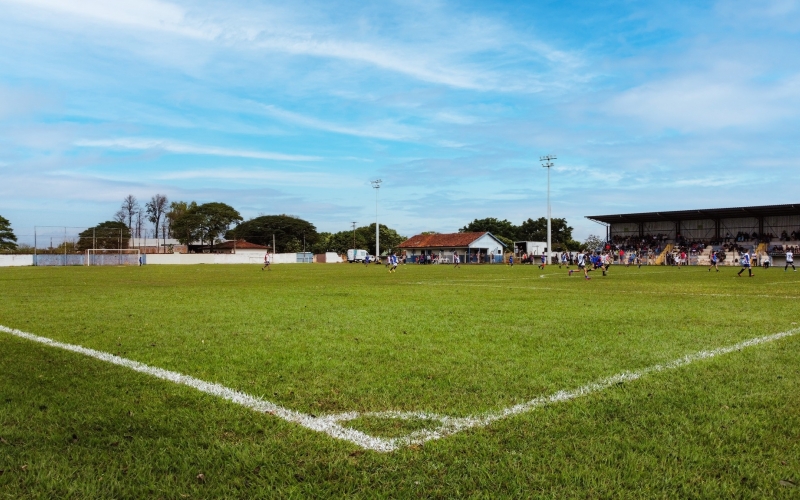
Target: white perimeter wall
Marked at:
219, 258
16, 260
190, 258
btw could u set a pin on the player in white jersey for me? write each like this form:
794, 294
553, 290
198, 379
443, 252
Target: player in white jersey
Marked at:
606, 262
564, 261
456, 260
745, 262
582, 265
266, 262
789, 261
393, 263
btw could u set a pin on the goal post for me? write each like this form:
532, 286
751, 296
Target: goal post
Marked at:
112, 257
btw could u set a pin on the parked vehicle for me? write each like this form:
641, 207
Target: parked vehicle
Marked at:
355, 255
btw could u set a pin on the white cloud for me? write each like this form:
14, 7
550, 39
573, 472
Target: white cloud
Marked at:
385, 130
182, 148
302, 178
705, 101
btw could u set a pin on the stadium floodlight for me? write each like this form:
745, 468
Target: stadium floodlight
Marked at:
547, 162
354, 236
376, 184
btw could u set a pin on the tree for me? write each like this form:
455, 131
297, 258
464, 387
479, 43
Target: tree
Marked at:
389, 237
495, 226
109, 234
186, 227
128, 211
536, 230
594, 242
8, 241
155, 210
214, 220
289, 232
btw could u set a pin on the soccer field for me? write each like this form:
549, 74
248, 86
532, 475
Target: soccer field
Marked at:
343, 380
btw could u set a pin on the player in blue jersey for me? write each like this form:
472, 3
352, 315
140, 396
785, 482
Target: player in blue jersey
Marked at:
714, 261
392, 263
745, 262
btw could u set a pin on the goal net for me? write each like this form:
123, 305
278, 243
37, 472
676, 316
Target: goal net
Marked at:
112, 257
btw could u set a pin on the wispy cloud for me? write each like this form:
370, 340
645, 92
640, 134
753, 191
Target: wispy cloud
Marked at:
387, 130
295, 178
189, 149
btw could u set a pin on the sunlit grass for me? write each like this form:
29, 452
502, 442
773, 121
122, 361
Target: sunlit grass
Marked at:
336, 338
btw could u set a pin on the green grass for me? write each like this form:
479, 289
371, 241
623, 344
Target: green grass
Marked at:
329, 339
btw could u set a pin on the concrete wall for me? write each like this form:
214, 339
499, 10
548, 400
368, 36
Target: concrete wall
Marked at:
16, 260
220, 258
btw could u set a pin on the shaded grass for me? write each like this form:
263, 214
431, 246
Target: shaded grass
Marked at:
344, 338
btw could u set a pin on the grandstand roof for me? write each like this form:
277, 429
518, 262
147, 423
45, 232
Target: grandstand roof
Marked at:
703, 213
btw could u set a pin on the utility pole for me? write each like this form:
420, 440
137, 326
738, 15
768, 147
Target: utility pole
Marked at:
354, 239
547, 162
377, 186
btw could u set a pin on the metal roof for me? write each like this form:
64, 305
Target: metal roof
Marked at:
703, 213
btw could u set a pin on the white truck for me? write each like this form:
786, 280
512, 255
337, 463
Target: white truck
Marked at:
354, 255
536, 248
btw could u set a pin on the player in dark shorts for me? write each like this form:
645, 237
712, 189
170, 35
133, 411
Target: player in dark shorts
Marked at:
745, 262
582, 265
714, 261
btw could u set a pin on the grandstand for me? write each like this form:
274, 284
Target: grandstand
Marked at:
661, 236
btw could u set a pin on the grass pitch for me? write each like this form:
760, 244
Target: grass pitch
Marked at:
328, 339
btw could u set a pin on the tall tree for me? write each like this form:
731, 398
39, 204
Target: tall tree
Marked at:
187, 228
215, 220
8, 240
289, 232
155, 210
128, 211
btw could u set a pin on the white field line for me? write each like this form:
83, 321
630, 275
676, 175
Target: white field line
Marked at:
319, 424
330, 424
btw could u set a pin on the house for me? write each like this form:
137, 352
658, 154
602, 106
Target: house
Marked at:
470, 247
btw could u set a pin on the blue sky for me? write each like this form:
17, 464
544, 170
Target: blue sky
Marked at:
293, 107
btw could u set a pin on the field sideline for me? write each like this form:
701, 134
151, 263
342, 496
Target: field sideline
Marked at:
428, 342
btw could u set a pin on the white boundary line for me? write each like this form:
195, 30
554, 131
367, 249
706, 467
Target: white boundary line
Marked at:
330, 424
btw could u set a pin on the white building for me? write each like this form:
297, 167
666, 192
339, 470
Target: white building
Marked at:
470, 247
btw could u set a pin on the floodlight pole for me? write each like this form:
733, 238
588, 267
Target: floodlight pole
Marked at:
548, 164
354, 239
376, 184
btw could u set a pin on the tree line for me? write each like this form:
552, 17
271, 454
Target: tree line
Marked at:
529, 230
211, 223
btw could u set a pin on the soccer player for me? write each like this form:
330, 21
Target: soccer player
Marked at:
543, 260
789, 261
563, 260
582, 265
393, 262
366, 260
511, 260
745, 262
266, 262
606, 261
714, 261
456, 260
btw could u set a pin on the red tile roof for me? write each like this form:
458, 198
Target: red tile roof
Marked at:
453, 240
240, 245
